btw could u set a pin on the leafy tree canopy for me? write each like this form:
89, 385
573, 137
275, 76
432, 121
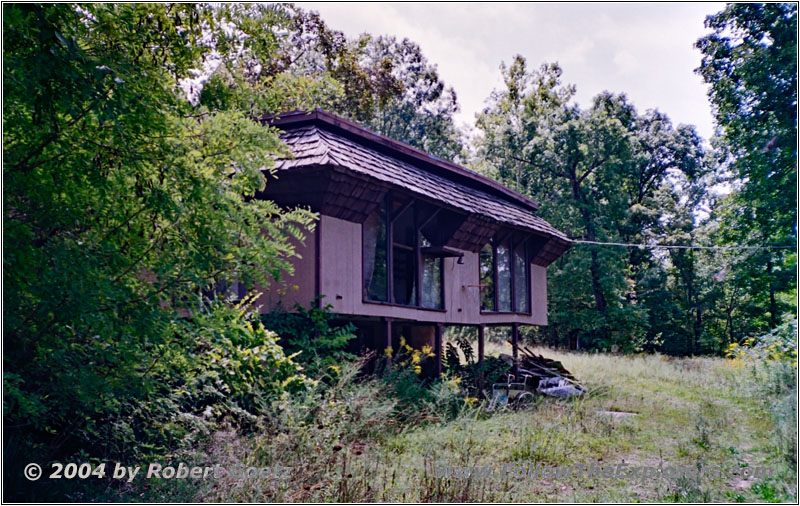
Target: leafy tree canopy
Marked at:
750, 63
122, 202
602, 174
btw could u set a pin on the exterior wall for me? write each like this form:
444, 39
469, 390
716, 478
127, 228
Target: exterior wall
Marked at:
298, 288
341, 278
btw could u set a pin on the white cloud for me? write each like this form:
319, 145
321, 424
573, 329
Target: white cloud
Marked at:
644, 50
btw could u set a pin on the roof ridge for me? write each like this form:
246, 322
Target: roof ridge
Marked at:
329, 154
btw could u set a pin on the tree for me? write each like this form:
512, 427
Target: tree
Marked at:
379, 82
421, 111
122, 203
750, 62
598, 173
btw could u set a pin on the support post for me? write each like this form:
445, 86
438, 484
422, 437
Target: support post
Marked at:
481, 333
438, 349
317, 264
417, 259
515, 348
387, 339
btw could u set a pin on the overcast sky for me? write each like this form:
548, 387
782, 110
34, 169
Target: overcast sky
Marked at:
644, 50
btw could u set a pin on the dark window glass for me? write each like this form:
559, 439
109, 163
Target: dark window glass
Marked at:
521, 282
503, 277
404, 278
407, 269
375, 256
487, 278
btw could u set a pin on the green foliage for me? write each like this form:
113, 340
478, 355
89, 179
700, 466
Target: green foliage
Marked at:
312, 336
421, 110
420, 398
122, 202
298, 62
772, 358
602, 174
452, 360
218, 369
609, 173
750, 63
779, 344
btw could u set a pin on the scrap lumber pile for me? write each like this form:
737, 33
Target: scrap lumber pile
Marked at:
547, 376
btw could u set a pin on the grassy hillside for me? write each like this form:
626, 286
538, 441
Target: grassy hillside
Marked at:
698, 412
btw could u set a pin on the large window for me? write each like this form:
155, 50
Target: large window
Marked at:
505, 275
400, 254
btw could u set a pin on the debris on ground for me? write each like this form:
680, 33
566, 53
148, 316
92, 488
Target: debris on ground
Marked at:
548, 377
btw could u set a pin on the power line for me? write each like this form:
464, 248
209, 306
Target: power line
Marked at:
680, 246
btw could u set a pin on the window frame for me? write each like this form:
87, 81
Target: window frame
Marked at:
389, 219
494, 242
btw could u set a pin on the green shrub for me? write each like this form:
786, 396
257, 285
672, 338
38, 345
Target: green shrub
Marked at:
421, 399
778, 344
312, 336
319, 432
219, 367
773, 359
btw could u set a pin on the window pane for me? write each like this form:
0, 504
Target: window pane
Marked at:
431, 277
503, 277
404, 276
521, 282
432, 282
403, 227
487, 278
375, 256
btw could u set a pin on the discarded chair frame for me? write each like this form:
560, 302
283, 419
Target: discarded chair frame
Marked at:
518, 394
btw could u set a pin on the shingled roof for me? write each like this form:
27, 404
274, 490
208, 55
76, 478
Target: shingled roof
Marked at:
322, 139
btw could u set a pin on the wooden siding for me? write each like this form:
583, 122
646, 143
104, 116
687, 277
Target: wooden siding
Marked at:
296, 288
341, 284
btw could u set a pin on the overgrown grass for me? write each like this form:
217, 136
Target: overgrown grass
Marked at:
351, 446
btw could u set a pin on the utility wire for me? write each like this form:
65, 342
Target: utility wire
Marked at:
680, 246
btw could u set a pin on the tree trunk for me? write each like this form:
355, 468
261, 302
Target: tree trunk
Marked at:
599, 296
594, 268
773, 306
698, 324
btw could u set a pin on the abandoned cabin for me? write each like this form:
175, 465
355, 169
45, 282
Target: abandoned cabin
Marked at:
406, 242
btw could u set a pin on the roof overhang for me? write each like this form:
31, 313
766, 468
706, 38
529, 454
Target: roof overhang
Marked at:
320, 140
399, 150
